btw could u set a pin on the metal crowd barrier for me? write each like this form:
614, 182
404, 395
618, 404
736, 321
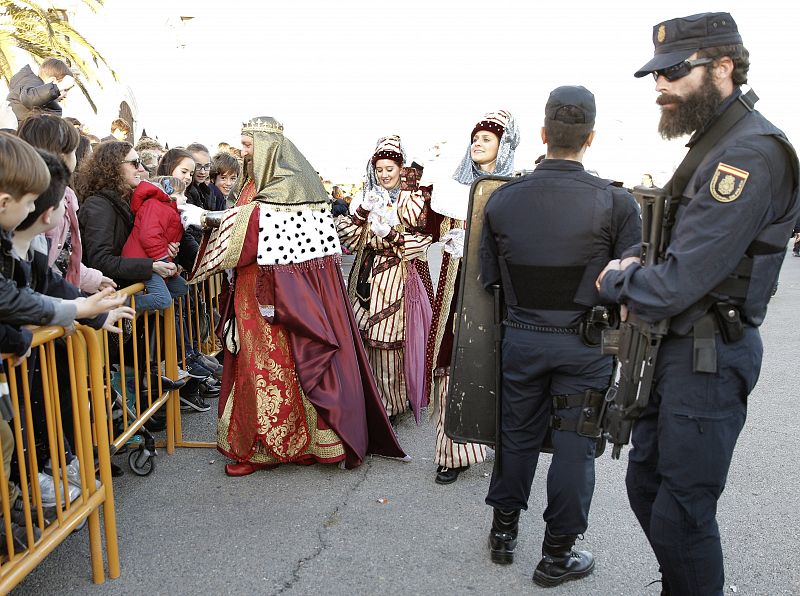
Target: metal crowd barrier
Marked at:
125, 364
110, 405
133, 405
46, 525
201, 311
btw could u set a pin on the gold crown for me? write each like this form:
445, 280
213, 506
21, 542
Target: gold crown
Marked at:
263, 123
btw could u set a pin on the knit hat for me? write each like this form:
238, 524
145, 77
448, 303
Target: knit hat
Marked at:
389, 148
494, 122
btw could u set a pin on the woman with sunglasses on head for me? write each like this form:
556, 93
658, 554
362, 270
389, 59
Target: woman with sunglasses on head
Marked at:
386, 231
491, 151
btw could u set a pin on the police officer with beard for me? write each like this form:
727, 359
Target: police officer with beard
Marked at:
545, 238
734, 202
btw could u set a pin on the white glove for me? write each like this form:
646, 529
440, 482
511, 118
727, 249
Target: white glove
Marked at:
372, 200
190, 214
454, 242
65, 84
380, 228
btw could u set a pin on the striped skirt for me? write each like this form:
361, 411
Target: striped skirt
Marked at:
448, 453
387, 365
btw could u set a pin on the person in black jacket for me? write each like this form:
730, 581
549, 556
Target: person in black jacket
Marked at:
225, 171
105, 183
35, 273
545, 238
199, 192
29, 94
23, 177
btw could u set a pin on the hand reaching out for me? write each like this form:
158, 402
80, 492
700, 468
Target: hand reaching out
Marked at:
104, 301
114, 315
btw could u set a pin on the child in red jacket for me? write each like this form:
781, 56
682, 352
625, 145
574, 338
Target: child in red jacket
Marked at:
157, 225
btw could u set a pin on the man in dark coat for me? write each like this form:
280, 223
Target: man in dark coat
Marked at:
735, 204
31, 94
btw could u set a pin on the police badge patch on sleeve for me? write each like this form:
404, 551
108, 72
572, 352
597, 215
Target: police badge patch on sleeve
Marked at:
727, 183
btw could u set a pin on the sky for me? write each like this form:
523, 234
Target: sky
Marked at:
339, 75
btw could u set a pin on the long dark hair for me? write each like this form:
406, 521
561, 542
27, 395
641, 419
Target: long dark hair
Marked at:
170, 160
102, 171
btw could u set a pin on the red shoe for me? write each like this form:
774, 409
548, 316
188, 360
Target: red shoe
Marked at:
246, 468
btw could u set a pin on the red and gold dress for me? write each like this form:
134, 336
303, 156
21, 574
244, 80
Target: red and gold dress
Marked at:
296, 385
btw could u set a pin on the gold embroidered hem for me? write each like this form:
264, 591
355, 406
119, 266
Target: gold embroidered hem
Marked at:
324, 444
265, 417
445, 293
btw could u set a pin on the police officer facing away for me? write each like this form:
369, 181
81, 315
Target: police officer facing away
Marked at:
545, 237
736, 205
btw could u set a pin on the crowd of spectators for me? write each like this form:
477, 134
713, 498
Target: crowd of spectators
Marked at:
80, 218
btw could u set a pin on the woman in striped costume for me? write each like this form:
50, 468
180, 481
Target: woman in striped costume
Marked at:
491, 151
386, 231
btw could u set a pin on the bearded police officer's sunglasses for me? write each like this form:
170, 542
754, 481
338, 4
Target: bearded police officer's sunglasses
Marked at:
680, 70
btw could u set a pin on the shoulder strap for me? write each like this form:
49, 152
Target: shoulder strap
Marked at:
742, 106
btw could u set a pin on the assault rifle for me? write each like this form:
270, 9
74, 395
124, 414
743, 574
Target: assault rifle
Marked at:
635, 344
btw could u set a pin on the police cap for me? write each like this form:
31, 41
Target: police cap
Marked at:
677, 39
574, 96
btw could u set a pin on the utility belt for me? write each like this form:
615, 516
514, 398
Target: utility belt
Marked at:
723, 319
590, 328
542, 328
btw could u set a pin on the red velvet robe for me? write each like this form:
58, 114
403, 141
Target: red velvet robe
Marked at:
300, 387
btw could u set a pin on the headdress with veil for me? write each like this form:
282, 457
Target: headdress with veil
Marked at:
502, 124
281, 174
294, 209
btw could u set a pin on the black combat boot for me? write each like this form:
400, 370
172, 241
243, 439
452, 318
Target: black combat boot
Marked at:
503, 537
559, 562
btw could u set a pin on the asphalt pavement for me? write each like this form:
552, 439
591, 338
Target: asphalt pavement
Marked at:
387, 528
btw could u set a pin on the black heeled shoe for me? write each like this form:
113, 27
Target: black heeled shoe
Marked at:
448, 475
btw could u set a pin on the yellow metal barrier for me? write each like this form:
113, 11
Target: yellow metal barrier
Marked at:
200, 311
108, 372
126, 364
45, 526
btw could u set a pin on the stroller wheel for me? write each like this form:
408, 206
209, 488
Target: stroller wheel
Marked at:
142, 462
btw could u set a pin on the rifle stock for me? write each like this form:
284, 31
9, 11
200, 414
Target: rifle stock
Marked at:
635, 344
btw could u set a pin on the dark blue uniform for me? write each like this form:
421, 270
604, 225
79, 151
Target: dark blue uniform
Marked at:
741, 203
546, 237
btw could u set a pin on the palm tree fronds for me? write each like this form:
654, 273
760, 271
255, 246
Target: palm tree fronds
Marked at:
44, 32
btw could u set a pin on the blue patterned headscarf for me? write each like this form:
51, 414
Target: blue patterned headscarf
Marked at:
467, 171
